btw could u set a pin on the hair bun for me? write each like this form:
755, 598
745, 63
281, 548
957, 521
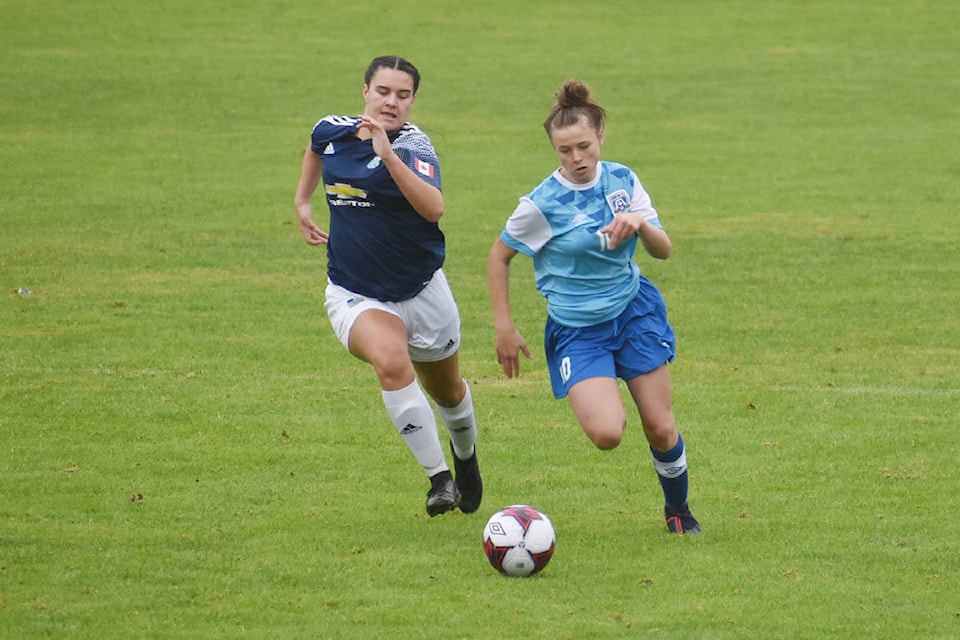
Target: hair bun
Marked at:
573, 102
573, 93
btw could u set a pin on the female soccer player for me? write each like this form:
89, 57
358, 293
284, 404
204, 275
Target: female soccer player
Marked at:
604, 319
387, 297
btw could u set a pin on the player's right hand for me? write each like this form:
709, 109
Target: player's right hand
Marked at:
509, 347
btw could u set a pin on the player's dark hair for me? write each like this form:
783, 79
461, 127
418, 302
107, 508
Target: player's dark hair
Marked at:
393, 62
574, 102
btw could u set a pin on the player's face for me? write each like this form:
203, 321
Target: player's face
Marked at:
388, 97
578, 147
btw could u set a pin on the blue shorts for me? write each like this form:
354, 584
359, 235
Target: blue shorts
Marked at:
637, 341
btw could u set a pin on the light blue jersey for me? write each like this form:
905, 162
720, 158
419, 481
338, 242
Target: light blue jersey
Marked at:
558, 225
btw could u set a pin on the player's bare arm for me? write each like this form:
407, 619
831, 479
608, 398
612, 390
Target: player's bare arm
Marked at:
424, 197
509, 343
655, 240
310, 176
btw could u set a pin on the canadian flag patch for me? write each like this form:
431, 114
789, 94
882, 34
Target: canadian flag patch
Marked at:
424, 167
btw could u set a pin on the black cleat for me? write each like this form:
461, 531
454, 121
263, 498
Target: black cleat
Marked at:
680, 520
469, 482
443, 495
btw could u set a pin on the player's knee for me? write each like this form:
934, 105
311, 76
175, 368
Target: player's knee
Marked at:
606, 442
606, 439
393, 371
661, 438
448, 394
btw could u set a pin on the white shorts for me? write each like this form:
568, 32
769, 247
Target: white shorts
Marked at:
431, 317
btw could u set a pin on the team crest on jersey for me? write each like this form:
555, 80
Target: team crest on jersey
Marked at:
373, 164
424, 167
619, 201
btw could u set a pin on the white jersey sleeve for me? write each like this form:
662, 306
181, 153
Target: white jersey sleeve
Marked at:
527, 226
642, 204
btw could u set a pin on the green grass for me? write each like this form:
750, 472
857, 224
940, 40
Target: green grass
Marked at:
187, 452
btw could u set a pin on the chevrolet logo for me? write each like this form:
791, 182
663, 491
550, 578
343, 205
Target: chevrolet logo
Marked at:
345, 191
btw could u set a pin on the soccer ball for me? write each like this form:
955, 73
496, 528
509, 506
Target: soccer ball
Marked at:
519, 540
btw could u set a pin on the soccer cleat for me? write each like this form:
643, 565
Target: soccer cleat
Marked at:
469, 482
443, 495
680, 520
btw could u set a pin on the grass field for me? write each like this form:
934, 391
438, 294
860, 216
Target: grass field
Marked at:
187, 452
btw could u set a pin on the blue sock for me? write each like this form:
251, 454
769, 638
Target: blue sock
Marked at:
671, 469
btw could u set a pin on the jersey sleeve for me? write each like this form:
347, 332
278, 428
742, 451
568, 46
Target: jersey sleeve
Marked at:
527, 229
642, 204
416, 151
329, 129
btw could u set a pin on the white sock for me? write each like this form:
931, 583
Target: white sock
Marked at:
461, 422
413, 416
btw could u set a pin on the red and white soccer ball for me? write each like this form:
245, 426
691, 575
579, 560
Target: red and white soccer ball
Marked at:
519, 540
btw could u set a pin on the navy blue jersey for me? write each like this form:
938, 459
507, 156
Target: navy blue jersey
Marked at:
379, 246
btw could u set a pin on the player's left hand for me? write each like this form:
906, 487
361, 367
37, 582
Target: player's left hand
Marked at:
381, 143
621, 228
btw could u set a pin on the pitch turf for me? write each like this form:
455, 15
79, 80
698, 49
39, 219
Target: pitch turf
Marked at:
186, 451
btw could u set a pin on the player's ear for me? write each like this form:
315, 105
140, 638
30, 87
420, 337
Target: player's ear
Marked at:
600, 136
